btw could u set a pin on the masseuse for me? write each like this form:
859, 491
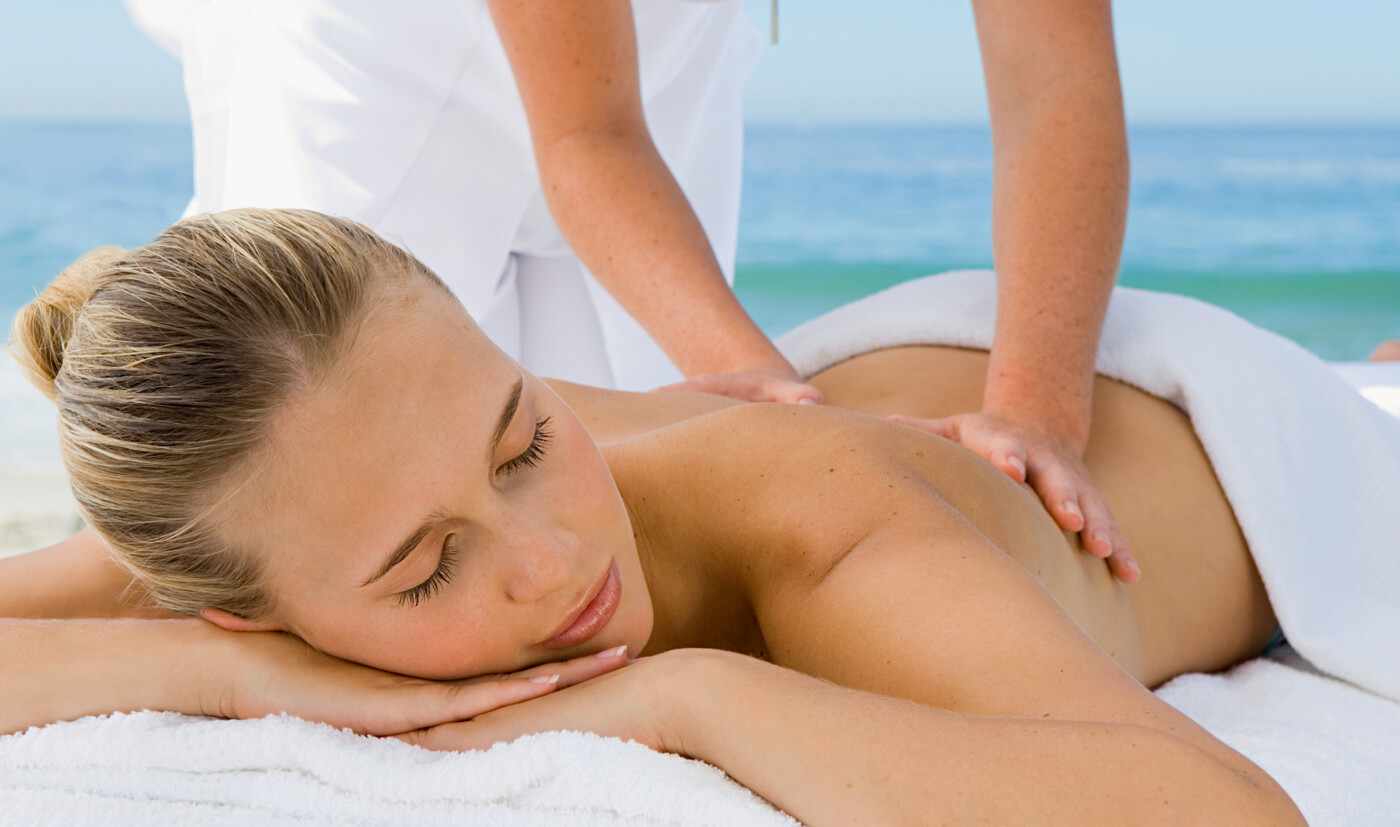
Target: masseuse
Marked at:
572, 170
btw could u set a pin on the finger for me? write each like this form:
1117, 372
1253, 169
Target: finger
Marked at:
791, 393
678, 386
580, 669
1007, 453
455, 737
1101, 524
1056, 486
1013, 464
1099, 529
708, 383
947, 427
745, 387
427, 703
482, 733
1123, 564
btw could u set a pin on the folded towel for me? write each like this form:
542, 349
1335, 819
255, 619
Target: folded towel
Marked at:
163, 768
1267, 411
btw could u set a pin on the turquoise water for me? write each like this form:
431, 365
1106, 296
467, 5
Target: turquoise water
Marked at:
1297, 229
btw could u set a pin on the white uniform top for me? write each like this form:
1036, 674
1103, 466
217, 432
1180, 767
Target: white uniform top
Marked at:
405, 116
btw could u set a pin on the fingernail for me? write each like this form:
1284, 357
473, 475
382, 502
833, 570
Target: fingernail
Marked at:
1073, 507
1015, 462
806, 400
615, 652
545, 678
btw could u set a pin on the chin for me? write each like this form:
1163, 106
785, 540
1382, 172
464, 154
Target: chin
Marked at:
636, 616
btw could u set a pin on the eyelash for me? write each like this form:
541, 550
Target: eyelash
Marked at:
533, 454
447, 566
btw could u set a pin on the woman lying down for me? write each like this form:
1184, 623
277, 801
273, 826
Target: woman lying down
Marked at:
336, 498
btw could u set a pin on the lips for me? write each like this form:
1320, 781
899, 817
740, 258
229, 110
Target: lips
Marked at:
594, 613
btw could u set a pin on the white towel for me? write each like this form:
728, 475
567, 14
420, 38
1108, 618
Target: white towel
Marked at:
1334, 747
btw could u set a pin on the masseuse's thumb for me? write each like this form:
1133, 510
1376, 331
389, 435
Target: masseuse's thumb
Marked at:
792, 393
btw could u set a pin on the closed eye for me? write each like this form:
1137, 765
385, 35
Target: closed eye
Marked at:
533, 454
441, 576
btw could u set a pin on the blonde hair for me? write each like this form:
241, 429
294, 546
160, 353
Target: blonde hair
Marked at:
166, 363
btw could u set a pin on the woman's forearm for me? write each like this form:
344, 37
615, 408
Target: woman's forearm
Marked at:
74, 578
832, 755
60, 670
628, 220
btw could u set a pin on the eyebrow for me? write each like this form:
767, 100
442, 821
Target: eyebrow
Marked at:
432, 520
507, 413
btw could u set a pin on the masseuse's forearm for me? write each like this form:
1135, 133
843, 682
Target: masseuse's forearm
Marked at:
831, 755
59, 670
74, 578
629, 222
1060, 204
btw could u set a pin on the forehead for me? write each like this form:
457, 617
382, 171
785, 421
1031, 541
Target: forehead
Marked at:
394, 429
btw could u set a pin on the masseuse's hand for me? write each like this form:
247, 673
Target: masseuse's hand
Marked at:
1054, 469
272, 672
776, 384
637, 703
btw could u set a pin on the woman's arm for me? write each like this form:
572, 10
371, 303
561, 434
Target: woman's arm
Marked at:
828, 754
60, 670
575, 64
74, 578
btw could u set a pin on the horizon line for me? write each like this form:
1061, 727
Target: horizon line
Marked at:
768, 121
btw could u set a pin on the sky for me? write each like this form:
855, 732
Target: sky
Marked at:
1185, 61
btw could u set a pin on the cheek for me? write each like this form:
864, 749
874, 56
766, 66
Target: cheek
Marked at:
441, 642
593, 500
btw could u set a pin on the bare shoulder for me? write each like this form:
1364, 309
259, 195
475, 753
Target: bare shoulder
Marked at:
788, 489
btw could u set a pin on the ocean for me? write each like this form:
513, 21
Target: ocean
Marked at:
1294, 228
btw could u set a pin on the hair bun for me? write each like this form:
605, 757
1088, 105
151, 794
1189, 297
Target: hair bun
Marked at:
43, 327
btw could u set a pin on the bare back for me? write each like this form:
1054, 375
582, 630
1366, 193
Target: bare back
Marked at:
1200, 605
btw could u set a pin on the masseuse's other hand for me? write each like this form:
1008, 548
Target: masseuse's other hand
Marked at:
763, 385
273, 672
1053, 469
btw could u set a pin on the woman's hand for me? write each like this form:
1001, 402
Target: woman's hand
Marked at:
639, 703
276, 672
773, 385
1053, 469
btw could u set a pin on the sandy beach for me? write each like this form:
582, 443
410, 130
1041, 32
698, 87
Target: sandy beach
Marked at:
36, 507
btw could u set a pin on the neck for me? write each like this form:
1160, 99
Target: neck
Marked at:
695, 594
663, 558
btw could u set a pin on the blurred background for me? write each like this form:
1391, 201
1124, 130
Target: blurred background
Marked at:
1265, 140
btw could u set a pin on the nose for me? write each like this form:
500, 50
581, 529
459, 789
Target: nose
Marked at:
540, 563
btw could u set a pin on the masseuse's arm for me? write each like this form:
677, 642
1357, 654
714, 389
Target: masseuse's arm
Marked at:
1060, 204
575, 64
